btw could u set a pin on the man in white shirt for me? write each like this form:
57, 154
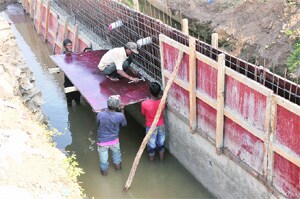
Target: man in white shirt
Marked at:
116, 61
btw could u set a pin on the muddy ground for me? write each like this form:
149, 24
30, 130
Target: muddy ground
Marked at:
254, 30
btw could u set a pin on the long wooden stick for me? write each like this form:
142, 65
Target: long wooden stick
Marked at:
151, 130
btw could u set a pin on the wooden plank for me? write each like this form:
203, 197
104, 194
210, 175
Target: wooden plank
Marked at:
207, 60
220, 105
75, 38
192, 84
185, 26
40, 17
214, 40
54, 70
70, 89
31, 8
205, 98
161, 47
267, 127
287, 154
47, 20
270, 164
294, 108
64, 34
174, 43
249, 82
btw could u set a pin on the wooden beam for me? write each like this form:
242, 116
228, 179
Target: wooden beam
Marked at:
267, 128
294, 108
161, 47
75, 39
220, 104
245, 124
270, 167
287, 154
70, 89
174, 43
214, 40
192, 84
207, 60
249, 82
54, 70
47, 20
31, 9
185, 26
64, 33
40, 17
136, 5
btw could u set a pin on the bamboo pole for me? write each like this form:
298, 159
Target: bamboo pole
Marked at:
151, 130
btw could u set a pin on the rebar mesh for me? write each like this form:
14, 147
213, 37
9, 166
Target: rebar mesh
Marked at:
96, 15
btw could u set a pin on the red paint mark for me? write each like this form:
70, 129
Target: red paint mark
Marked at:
286, 177
288, 129
207, 79
246, 102
244, 145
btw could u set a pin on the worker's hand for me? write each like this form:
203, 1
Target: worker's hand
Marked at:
134, 79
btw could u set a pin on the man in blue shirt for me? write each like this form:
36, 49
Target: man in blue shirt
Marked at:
108, 123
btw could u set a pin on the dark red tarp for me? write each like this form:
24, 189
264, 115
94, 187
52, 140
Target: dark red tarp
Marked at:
83, 72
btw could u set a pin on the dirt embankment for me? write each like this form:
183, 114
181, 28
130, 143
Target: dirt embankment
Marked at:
254, 30
30, 166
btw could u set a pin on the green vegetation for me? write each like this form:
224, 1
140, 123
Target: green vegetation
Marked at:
73, 170
293, 62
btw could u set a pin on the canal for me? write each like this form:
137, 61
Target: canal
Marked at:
156, 179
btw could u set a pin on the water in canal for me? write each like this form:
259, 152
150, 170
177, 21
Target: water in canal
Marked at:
152, 180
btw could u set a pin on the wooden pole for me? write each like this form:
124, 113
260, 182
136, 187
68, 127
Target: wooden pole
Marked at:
185, 26
40, 17
192, 84
136, 5
220, 105
214, 40
75, 37
47, 20
153, 126
270, 164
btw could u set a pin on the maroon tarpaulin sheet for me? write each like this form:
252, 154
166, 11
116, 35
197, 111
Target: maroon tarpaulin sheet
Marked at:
83, 72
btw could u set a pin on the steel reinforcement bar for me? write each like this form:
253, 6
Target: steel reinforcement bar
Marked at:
96, 15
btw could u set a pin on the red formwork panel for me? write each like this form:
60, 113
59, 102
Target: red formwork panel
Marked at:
288, 129
80, 45
207, 117
44, 13
60, 34
286, 177
207, 79
245, 102
50, 40
170, 58
178, 99
57, 50
70, 35
52, 22
244, 145
83, 72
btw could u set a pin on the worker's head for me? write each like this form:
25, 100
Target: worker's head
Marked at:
67, 45
114, 102
130, 48
155, 89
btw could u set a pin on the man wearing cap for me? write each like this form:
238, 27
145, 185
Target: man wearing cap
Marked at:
116, 61
108, 124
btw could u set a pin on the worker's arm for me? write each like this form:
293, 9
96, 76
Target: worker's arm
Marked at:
124, 74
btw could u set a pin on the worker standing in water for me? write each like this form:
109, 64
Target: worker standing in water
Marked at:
149, 108
108, 124
75, 95
115, 62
